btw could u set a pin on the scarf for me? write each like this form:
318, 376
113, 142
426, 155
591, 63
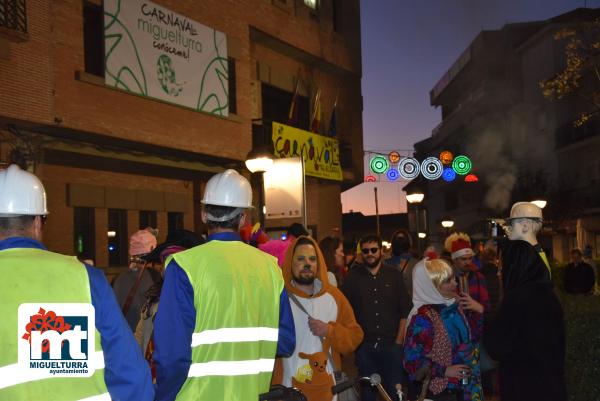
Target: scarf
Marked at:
424, 292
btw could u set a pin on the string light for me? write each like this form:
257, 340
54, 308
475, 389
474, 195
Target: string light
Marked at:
446, 157
462, 165
379, 164
432, 168
449, 174
392, 174
409, 168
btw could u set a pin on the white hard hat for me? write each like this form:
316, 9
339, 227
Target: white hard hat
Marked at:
21, 193
525, 210
229, 189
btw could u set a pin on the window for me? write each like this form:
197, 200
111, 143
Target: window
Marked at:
175, 221
117, 237
93, 38
337, 14
13, 17
232, 86
147, 219
84, 232
276, 106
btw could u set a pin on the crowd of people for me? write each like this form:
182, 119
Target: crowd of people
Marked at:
227, 316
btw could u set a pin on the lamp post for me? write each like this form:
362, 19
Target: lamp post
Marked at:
414, 199
447, 224
540, 203
259, 160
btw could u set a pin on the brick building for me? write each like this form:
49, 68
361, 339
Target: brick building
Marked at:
114, 161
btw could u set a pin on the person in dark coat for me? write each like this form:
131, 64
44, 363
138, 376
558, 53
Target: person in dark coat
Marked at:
579, 275
527, 336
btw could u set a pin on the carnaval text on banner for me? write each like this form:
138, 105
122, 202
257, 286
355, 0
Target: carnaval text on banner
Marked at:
321, 154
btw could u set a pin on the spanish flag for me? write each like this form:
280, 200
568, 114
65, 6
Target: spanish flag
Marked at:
316, 119
333, 122
293, 113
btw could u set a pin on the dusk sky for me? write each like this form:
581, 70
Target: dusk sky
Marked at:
407, 45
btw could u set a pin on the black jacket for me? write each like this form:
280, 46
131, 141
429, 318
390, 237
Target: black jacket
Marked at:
527, 336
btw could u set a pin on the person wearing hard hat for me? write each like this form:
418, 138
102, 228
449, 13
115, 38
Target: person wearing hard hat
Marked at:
524, 223
34, 277
223, 313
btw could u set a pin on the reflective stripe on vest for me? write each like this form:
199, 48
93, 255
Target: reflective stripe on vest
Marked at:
32, 275
233, 368
237, 290
234, 335
11, 375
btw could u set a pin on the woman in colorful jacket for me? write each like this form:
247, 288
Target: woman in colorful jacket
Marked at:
440, 347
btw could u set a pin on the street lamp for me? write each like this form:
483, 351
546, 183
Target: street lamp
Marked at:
422, 235
447, 224
414, 199
260, 160
540, 203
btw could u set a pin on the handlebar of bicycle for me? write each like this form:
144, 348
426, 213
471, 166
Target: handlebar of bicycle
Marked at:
280, 392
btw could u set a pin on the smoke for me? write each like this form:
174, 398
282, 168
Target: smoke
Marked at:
516, 147
496, 167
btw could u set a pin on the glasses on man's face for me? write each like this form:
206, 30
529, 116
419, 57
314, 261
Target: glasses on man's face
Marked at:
137, 259
366, 251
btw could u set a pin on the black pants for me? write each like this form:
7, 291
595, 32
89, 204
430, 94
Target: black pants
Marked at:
384, 358
445, 396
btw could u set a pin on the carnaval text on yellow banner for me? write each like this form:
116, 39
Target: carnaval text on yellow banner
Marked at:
321, 154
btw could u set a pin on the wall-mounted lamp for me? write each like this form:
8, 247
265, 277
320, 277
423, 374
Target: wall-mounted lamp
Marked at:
259, 160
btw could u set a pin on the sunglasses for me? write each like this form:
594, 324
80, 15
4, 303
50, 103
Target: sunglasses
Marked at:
369, 250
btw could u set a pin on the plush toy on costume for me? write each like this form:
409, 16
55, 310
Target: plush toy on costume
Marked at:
253, 234
318, 386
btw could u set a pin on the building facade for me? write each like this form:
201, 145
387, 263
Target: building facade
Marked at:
523, 146
114, 161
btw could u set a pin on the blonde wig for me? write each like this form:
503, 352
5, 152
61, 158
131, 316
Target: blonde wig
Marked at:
438, 271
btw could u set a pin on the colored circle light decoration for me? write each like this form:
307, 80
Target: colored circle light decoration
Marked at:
392, 174
446, 157
449, 174
379, 164
394, 157
409, 168
471, 178
370, 178
462, 165
432, 168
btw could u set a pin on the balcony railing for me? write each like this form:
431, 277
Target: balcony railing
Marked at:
13, 19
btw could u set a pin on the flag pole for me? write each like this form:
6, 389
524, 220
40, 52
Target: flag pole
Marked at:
377, 212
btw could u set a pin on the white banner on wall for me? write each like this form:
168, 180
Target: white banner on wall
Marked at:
155, 52
284, 189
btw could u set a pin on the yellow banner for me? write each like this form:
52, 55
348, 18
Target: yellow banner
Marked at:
321, 154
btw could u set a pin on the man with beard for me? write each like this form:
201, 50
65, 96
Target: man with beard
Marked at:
381, 304
323, 320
